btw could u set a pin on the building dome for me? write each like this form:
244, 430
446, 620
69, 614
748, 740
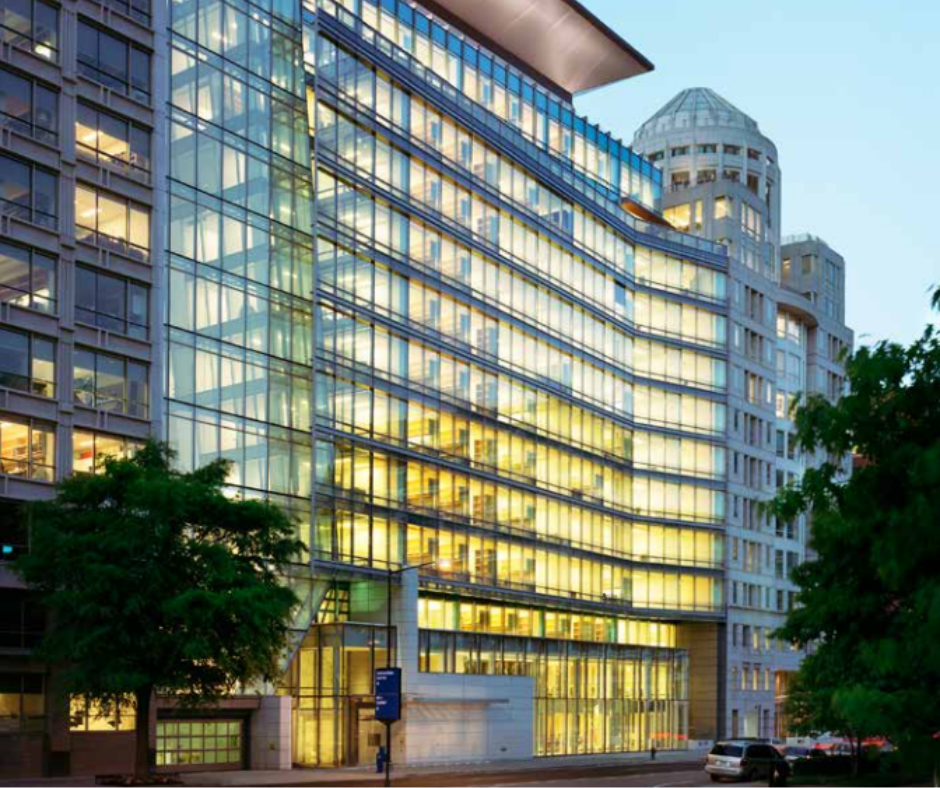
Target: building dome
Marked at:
696, 108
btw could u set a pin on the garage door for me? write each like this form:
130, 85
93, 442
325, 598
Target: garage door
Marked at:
200, 745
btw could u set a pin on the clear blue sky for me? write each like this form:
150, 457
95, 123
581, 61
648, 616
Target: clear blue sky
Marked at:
849, 90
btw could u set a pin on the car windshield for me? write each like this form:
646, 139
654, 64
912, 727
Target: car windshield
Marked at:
731, 750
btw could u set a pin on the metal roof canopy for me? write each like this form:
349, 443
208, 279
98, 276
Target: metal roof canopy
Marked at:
558, 41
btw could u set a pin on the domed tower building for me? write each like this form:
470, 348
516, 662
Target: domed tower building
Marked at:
721, 180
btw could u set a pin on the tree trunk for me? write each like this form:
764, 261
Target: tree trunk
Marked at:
857, 760
142, 736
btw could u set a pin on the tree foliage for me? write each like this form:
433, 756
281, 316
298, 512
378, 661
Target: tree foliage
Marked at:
869, 599
156, 580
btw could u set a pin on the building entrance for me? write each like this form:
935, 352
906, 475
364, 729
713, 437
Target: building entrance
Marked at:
330, 680
365, 732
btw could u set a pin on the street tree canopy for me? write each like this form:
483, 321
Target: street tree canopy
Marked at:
156, 580
869, 599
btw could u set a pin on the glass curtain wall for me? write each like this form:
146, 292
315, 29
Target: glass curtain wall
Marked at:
589, 698
444, 325
240, 268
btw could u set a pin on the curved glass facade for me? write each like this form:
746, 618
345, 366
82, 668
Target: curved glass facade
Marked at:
404, 301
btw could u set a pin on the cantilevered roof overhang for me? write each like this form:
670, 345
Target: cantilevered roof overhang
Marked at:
557, 40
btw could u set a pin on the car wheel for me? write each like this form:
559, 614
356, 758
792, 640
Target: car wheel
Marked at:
715, 778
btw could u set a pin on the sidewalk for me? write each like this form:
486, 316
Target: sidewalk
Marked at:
524, 770
363, 775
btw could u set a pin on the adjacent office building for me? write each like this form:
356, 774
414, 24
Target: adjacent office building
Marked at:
786, 337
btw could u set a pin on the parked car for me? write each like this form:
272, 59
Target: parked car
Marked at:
843, 748
794, 753
741, 759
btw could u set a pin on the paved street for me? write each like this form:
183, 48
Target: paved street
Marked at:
663, 774
672, 779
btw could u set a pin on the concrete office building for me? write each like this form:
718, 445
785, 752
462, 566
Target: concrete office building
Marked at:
722, 182
370, 253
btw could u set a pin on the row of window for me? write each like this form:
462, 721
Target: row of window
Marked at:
381, 476
374, 539
28, 363
398, 360
30, 192
496, 618
28, 279
393, 356
27, 448
31, 109
452, 554
561, 670
460, 435
706, 148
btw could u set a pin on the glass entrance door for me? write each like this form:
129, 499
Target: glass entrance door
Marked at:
366, 735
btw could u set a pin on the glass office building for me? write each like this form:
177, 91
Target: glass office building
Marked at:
519, 384
417, 300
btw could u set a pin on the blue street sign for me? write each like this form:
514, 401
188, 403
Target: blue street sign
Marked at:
388, 694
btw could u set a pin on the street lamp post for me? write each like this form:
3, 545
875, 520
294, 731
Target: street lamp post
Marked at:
388, 653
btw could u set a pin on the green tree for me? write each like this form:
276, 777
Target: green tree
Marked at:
869, 600
156, 580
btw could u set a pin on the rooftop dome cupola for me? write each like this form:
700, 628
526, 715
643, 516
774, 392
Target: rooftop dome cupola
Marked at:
696, 108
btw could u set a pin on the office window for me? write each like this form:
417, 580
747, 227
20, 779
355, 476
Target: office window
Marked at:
722, 207
27, 448
679, 216
28, 108
111, 383
113, 62
27, 363
87, 715
27, 278
31, 24
101, 135
22, 701
90, 448
28, 192
135, 9
112, 222
111, 303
